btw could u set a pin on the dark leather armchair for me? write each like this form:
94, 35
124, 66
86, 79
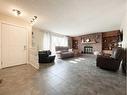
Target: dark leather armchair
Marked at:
112, 62
45, 57
124, 67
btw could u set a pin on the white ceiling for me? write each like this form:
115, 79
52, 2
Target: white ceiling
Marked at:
70, 17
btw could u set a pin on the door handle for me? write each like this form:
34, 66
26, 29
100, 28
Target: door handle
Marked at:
25, 47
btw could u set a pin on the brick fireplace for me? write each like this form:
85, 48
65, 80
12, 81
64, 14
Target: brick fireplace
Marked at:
88, 44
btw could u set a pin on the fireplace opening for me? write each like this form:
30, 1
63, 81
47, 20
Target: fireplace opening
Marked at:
88, 50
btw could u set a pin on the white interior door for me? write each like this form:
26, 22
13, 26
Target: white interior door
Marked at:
14, 45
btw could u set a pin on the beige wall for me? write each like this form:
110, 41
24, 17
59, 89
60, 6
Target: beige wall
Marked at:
0, 45
70, 42
124, 28
37, 44
37, 38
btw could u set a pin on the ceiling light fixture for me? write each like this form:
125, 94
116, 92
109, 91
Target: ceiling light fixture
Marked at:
33, 20
16, 12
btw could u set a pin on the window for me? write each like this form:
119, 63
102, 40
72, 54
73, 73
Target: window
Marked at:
51, 40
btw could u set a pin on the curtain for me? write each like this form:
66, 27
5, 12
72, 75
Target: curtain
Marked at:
46, 41
52, 40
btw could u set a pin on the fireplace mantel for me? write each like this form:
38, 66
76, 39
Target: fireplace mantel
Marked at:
93, 42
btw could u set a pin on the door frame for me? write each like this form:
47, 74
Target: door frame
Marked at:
0, 46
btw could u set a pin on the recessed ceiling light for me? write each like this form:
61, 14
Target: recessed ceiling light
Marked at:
16, 12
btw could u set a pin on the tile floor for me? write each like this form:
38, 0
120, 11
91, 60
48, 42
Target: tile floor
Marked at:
75, 76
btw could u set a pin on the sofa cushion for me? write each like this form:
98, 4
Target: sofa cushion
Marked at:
64, 51
70, 50
58, 52
67, 54
61, 48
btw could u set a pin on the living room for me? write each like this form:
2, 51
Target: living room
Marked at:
75, 47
